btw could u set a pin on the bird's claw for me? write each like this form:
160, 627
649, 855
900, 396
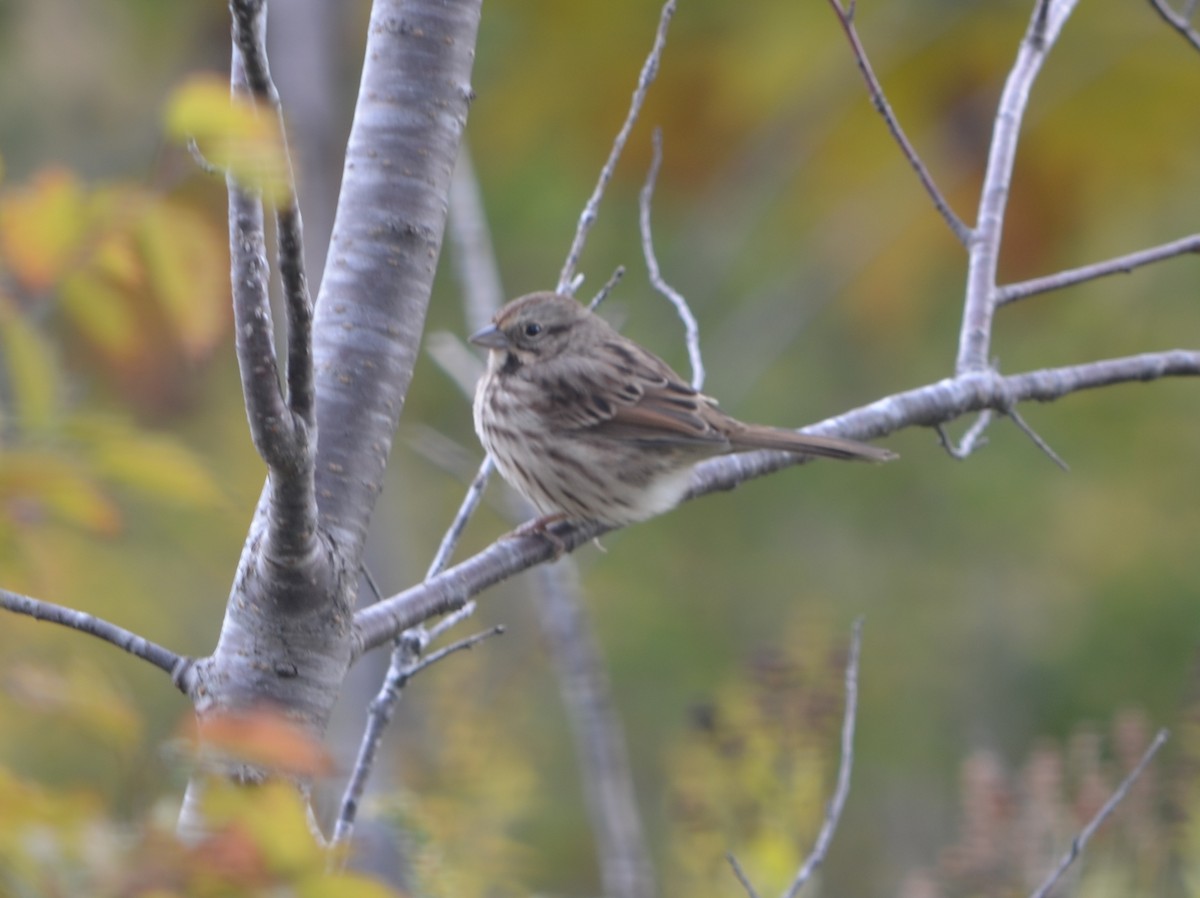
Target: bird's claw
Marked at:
541, 526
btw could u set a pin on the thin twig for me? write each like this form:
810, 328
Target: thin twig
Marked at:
1120, 265
434, 657
1181, 23
406, 663
450, 621
740, 874
1037, 438
682, 309
566, 279
163, 658
371, 584
1081, 840
846, 17
466, 510
201, 160
973, 439
612, 282
834, 813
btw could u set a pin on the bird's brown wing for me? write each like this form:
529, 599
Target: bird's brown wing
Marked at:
626, 393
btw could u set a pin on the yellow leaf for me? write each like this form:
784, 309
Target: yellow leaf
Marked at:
42, 226
188, 273
273, 816
102, 310
40, 484
30, 369
151, 463
234, 134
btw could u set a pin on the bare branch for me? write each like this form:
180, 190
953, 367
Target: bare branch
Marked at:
879, 100
1181, 23
1036, 438
566, 279
271, 427
249, 38
449, 622
602, 293
1120, 265
926, 406
178, 666
280, 426
674, 296
466, 510
741, 875
1081, 840
834, 813
973, 439
980, 301
406, 663
463, 644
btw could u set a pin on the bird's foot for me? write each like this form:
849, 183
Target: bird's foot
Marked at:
542, 526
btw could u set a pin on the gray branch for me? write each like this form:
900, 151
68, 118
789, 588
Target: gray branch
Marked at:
1085, 835
833, 813
927, 406
1180, 22
1120, 265
649, 71
682, 309
281, 427
178, 666
984, 248
884, 108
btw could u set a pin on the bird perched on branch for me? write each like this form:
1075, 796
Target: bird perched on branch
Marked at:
586, 424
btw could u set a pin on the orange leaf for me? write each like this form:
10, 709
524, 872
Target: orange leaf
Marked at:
266, 738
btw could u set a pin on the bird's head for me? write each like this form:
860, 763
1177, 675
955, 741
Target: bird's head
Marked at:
534, 329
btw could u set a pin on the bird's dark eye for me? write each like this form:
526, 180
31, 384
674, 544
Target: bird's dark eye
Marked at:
532, 329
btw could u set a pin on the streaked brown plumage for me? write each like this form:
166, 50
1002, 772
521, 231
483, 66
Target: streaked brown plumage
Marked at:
586, 424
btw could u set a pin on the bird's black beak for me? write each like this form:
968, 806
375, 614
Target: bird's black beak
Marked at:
491, 337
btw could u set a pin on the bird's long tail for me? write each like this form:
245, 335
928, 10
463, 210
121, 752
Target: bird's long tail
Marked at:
754, 436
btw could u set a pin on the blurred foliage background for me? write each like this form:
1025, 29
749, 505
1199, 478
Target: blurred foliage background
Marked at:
1026, 629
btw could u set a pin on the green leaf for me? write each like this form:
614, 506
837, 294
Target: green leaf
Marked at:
30, 369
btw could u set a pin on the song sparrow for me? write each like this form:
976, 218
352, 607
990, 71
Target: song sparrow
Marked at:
586, 424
